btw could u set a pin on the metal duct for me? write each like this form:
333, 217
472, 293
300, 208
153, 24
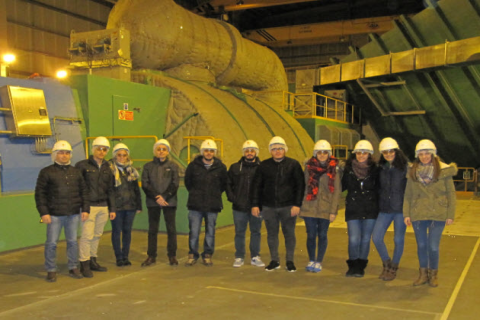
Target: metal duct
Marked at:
164, 36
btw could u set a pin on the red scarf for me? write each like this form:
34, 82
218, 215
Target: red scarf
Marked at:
315, 171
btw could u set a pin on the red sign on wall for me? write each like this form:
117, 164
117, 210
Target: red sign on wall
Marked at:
125, 115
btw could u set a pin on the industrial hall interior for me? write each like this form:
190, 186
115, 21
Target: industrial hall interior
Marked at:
312, 159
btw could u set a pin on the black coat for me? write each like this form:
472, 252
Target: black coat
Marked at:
127, 194
160, 178
392, 189
278, 184
362, 196
61, 191
205, 187
239, 186
100, 182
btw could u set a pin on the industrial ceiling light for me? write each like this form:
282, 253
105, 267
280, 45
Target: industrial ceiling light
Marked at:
62, 74
8, 58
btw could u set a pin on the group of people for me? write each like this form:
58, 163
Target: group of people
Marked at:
275, 191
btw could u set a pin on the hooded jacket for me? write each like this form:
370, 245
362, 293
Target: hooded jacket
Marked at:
239, 185
160, 178
434, 201
205, 186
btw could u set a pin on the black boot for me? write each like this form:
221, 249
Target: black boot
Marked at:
360, 265
351, 268
85, 269
94, 266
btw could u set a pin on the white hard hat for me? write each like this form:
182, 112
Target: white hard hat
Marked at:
62, 145
251, 144
363, 145
277, 140
120, 146
322, 145
425, 144
101, 141
208, 144
161, 142
388, 144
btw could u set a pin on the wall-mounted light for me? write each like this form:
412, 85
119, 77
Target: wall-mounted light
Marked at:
62, 74
8, 58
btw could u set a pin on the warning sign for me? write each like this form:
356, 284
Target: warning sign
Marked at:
125, 115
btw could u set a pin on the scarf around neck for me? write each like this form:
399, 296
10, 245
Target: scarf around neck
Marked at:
360, 169
424, 173
131, 172
315, 171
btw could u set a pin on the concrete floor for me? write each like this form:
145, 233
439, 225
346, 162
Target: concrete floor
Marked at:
222, 292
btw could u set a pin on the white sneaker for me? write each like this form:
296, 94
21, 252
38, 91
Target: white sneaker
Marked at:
257, 262
317, 267
238, 263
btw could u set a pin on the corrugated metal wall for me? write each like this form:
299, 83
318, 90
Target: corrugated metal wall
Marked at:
38, 31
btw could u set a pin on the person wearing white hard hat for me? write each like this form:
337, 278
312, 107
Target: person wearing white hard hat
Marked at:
61, 197
128, 202
160, 181
278, 188
205, 180
360, 179
320, 205
429, 205
240, 178
100, 181
393, 164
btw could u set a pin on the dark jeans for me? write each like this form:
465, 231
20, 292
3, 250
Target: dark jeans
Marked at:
384, 220
195, 223
273, 218
359, 234
122, 228
428, 234
241, 220
153, 223
316, 227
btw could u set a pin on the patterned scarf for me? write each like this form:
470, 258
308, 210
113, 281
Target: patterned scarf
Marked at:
315, 171
360, 169
131, 172
424, 173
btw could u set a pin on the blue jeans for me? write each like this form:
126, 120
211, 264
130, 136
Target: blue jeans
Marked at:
399, 227
241, 220
195, 223
70, 223
428, 244
316, 227
122, 228
359, 234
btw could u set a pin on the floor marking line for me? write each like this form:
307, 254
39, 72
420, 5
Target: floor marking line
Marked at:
323, 300
453, 297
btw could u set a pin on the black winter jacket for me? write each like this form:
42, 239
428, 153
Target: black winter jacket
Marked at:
239, 186
362, 196
100, 182
278, 184
392, 189
160, 178
127, 195
205, 187
61, 191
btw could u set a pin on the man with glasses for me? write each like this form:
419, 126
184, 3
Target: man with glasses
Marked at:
60, 195
278, 189
160, 182
240, 178
100, 182
205, 180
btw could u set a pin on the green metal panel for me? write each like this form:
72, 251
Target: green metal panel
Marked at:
311, 125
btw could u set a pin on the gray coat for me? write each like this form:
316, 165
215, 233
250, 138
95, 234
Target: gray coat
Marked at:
160, 178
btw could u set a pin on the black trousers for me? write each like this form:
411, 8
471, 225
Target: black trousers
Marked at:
153, 224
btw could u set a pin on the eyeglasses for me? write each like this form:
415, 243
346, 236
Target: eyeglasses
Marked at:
277, 149
250, 150
162, 149
387, 152
322, 152
363, 153
122, 155
104, 149
209, 150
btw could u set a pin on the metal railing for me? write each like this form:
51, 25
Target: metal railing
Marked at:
340, 151
469, 175
190, 138
310, 105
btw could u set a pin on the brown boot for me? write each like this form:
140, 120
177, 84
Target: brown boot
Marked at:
173, 261
422, 277
191, 261
386, 265
207, 260
391, 273
85, 269
75, 273
51, 277
149, 262
432, 278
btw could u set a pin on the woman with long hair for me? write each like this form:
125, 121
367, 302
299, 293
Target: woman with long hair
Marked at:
320, 204
128, 202
429, 205
393, 164
360, 179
